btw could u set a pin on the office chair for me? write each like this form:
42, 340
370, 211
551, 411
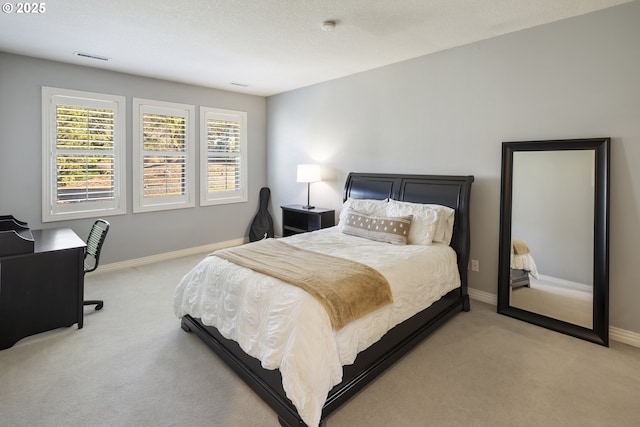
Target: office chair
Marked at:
92, 253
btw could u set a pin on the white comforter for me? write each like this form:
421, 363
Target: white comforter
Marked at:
287, 329
524, 262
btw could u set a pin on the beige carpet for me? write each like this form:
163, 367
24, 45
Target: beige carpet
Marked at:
571, 306
132, 365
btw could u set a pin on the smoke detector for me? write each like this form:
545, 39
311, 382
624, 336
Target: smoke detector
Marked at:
328, 25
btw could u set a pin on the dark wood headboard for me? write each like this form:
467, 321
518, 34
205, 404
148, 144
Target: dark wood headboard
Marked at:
452, 191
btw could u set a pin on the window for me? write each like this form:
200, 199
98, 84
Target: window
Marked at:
83, 159
223, 156
163, 155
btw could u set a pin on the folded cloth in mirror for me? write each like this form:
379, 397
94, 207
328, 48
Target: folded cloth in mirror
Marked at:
519, 247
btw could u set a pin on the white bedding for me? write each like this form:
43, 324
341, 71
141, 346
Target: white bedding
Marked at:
257, 310
524, 262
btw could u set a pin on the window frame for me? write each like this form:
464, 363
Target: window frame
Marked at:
186, 200
51, 210
209, 198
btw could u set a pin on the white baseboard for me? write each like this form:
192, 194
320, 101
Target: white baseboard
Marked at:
615, 334
167, 256
568, 284
483, 296
625, 337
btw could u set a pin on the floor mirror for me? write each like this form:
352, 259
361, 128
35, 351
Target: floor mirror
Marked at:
554, 235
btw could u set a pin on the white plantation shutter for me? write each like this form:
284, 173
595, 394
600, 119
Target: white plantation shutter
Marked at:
82, 154
223, 153
163, 144
164, 155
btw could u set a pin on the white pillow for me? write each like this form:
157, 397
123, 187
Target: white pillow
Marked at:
446, 219
424, 223
366, 206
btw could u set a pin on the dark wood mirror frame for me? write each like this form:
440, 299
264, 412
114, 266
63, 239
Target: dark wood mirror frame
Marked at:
600, 331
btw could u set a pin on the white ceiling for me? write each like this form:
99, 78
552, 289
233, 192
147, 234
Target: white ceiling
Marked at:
271, 46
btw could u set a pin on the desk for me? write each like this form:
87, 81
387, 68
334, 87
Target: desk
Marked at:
43, 290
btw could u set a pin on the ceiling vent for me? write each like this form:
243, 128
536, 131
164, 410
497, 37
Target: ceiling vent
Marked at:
92, 56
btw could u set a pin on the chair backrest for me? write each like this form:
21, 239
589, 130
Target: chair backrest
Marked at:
94, 245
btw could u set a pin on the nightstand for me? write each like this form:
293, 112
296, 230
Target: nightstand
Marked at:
296, 220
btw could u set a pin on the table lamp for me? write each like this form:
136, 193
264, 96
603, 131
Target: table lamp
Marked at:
308, 173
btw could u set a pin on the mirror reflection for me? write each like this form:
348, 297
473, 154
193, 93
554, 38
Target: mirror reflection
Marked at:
552, 234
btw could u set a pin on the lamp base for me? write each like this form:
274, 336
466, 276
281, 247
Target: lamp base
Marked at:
308, 207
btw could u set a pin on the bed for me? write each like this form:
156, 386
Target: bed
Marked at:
523, 266
376, 356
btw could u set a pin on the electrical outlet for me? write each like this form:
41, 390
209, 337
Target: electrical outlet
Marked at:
475, 265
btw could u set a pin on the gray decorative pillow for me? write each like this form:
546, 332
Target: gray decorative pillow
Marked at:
386, 229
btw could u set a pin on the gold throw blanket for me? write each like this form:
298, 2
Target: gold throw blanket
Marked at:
519, 247
347, 289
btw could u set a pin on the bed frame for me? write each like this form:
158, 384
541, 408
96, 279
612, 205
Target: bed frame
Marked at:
519, 278
452, 191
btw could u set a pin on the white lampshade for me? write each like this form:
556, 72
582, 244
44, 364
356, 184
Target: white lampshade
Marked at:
309, 173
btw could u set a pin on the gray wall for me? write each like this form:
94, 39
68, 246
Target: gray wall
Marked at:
132, 235
448, 113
